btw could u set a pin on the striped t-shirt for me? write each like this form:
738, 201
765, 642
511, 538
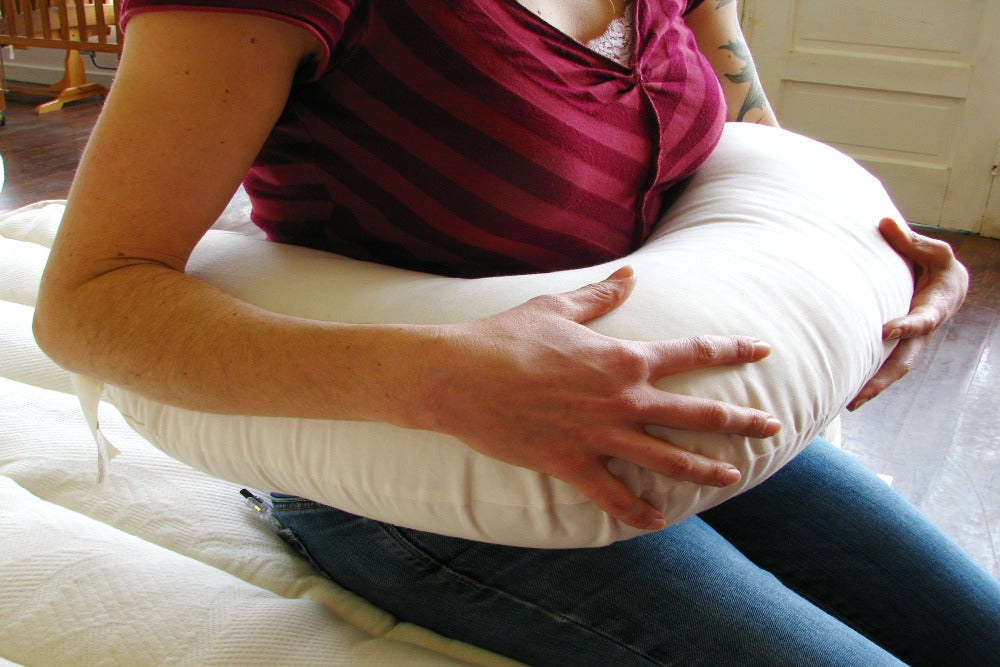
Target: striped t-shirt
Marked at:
470, 138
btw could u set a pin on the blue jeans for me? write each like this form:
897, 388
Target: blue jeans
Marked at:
823, 564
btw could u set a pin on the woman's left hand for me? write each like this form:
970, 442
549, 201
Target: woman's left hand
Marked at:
941, 285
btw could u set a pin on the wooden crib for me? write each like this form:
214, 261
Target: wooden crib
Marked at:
87, 25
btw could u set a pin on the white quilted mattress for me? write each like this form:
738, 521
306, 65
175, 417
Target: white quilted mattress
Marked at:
162, 563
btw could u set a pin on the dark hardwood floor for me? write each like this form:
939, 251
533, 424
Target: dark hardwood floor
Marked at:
935, 432
40, 152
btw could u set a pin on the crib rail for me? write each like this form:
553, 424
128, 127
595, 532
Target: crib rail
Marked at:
72, 25
62, 24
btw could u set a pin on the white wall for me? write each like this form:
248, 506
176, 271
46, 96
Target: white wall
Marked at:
46, 66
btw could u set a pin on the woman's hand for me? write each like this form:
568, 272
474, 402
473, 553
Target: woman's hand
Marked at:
941, 285
542, 391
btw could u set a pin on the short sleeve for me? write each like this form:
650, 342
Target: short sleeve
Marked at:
326, 19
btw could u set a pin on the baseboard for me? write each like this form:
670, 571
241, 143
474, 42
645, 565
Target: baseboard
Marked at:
49, 74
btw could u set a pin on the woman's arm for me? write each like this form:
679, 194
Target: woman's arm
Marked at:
195, 98
716, 27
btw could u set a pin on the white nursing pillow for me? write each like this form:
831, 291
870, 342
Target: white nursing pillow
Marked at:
775, 237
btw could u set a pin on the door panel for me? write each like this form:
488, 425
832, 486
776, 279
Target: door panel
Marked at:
907, 87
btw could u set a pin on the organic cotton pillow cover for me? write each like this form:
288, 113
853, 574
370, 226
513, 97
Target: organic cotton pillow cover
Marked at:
774, 237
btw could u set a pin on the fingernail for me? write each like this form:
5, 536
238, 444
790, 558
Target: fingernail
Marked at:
761, 349
857, 404
659, 523
731, 476
773, 426
894, 334
624, 272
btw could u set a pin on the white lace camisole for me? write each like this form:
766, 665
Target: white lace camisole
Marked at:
616, 42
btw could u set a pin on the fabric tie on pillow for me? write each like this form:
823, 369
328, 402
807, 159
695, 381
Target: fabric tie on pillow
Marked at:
89, 392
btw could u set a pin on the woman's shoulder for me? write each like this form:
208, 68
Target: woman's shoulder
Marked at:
325, 19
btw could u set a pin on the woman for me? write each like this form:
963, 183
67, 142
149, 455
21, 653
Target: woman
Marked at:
475, 138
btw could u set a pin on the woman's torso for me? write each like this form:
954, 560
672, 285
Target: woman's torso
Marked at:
470, 137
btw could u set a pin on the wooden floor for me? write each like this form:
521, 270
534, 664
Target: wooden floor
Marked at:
935, 432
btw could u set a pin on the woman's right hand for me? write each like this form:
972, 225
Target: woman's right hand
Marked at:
536, 388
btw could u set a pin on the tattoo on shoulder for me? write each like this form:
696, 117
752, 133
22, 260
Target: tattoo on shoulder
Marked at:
755, 99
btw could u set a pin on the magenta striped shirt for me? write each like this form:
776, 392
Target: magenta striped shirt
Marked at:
470, 138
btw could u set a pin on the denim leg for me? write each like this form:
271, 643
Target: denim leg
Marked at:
835, 533
682, 596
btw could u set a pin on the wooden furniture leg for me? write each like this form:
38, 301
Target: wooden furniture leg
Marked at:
73, 86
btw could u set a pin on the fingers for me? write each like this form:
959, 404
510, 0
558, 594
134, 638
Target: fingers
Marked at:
688, 413
665, 357
942, 281
685, 354
590, 301
896, 234
899, 363
939, 295
923, 320
915, 247
611, 495
696, 414
675, 462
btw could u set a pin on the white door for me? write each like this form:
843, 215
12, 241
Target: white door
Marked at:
909, 88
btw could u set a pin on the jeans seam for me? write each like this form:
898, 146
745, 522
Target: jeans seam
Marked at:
431, 562
294, 504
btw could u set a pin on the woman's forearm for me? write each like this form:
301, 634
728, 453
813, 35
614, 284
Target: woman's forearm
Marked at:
529, 386
156, 331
